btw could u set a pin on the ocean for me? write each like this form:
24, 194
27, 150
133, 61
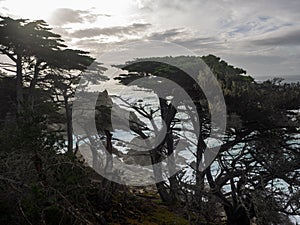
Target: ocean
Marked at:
287, 78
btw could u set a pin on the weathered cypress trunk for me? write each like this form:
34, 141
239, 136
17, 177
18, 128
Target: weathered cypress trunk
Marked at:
168, 113
31, 94
156, 156
93, 146
160, 184
69, 123
19, 85
199, 154
172, 167
199, 174
109, 157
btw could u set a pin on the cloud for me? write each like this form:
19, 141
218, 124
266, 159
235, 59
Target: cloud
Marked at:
196, 43
167, 34
288, 39
92, 45
184, 38
132, 29
63, 16
251, 35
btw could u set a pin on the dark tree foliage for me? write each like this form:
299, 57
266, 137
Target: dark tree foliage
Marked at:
259, 157
46, 71
39, 184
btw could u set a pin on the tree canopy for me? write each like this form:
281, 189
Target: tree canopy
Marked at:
260, 136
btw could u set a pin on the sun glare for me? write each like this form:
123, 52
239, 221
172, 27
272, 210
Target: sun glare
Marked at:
29, 9
32, 9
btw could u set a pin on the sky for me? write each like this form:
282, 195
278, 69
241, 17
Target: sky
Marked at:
260, 36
